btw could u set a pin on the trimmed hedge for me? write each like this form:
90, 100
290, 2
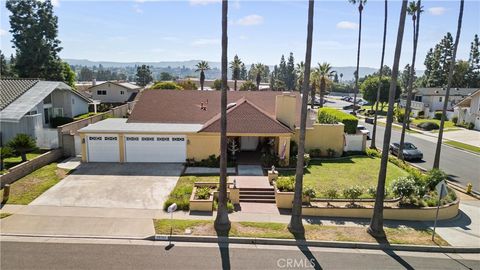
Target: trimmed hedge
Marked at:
350, 121
60, 121
428, 126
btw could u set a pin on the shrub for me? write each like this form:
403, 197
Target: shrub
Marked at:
470, 125
230, 207
286, 184
167, 86
403, 187
455, 119
372, 152
353, 193
348, 120
309, 191
22, 144
187, 85
331, 193
428, 125
315, 153
247, 86
331, 152
306, 159
326, 118
268, 159
421, 114
372, 191
183, 203
438, 115
60, 121
434, 177
203, 193
293, 149
400, 115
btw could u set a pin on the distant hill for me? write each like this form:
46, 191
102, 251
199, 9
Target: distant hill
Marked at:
346, 71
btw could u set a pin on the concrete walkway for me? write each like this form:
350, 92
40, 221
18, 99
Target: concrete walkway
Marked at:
250, 170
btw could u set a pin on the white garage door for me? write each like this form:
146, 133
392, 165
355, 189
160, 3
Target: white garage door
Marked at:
103, 148
146, 148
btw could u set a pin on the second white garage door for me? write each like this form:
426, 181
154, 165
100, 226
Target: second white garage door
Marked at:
145, 148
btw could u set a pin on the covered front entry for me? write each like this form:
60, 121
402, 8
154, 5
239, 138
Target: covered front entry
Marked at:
252, 149
149, 148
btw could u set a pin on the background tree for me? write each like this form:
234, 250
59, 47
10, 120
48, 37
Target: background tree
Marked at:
68, 74
5, 152
473, 75
143, 76
259, 72
222, 223
291, 76
34, 28
436, 161
314, 85
22, 144
372, 85
251, 75
248, 86
376, 224
295, 225
165, 76
282, 71
243, 72
202, 66
85, 74
189, 85
236, 66
299, 70
325, 73
360, 10
341, 76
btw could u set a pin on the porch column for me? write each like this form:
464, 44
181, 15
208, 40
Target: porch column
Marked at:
284, 149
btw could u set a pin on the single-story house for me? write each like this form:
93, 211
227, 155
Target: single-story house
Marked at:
468, 110
114, 92
173, 125
429, 100
27, 106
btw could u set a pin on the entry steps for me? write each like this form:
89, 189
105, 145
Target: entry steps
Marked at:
257, 195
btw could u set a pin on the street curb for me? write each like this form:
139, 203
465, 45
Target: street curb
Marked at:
312, 243
151, 237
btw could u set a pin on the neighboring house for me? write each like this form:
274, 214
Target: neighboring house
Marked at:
468, 110
430, 100
172, 126
114, 92
208, 84
27, 106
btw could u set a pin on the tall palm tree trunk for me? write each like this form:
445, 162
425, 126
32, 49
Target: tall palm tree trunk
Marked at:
376, 223
355, 91
222, 223
235, 85
322, 90
436, 162
202, 79
408, 105
295, 225
312, 95
374, 132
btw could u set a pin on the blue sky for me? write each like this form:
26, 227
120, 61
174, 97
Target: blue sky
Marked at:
259, 31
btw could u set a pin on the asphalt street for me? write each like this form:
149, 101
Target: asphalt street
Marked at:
154, 255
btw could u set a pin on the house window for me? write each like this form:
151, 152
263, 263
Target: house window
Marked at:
440, 99
46, 114
418, 98
102, 92
121, 92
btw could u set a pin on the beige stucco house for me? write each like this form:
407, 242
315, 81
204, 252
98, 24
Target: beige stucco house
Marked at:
114, 92
173, 126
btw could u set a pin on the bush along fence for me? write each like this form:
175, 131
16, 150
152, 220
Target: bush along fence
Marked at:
28, 167
333, 116
414, 197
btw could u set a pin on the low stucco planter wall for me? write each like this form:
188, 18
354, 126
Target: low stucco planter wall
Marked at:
284, 199
417, 214
200, 205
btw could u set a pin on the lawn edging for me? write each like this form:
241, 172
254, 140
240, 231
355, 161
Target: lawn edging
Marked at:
313, 243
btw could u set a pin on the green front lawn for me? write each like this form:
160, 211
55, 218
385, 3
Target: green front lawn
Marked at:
28, 188
448, 124
183, 189
83, 116
13, 161
346, 172
400, 235
463, 146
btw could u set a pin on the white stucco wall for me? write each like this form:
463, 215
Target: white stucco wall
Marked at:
113, 93
79, 105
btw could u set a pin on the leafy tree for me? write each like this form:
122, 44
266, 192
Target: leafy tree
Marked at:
5, 152
22, 144
291, 75
370, 87
282, 71
85, 74
6, 70
165, 76
473, 76
236, 67
188, 85
34, 28
144, 75
251, 75
167, 86
243, 72
248, 86
68, 74
202, 66
335, 78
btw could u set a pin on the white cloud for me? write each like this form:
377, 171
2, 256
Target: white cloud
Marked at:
203, 2
206, 41
2, 32
137, 9
253, 19
347, 25
437, 11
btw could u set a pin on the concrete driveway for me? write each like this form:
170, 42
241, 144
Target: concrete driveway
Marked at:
114, 185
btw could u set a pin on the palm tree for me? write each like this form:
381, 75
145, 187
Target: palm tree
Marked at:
299, 69
325, 72
376, 223
314, 83
222, 223
202, 66
436, 162
374, 132
236, 66
414, 9
259, 70
295, 225
361, 3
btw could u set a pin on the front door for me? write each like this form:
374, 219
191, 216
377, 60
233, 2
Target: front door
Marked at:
248, 143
